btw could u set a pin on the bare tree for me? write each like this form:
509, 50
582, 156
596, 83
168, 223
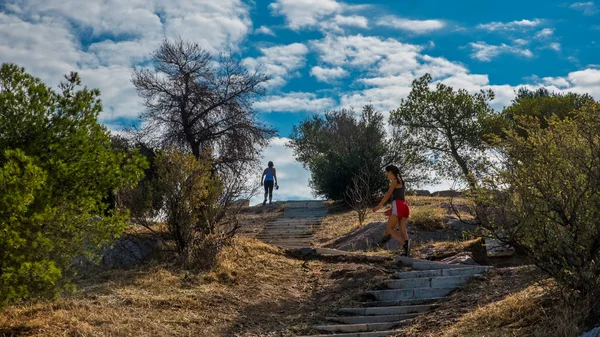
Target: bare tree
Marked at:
195, 101
359, 195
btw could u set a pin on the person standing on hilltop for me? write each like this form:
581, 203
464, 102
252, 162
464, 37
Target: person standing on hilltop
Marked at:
269, 180
399, 213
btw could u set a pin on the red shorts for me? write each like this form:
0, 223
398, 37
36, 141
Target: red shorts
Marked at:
400, 209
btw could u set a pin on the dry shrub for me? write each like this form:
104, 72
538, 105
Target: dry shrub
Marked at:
428, 218
534, 311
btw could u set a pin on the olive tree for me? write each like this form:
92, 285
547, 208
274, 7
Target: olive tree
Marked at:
447, 126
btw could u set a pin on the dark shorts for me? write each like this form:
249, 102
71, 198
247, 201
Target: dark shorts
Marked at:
269, 186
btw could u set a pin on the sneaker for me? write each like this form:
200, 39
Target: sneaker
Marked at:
407, 246
265, 202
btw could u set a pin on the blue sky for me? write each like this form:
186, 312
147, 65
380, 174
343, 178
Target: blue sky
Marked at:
322, 54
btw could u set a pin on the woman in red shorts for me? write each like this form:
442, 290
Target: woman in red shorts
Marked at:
399, 213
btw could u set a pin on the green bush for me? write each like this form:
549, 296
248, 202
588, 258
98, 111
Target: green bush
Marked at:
57, 172
190, 192
546, 200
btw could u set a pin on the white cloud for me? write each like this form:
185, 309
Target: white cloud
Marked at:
352, 20
415, 26
264, 30
486, 52
513, 25
554, 46
279, 61
559, 82
304, 13
544, 33
294, 102
587, 78
45, 36
365, 51
328, 75
521, 42
588, 8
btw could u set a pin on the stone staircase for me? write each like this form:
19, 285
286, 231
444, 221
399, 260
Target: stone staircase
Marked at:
294, 229
408, 295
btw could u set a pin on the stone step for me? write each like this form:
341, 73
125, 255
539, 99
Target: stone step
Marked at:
287, 230
290, 226
371, 319
431, 282
442, 272
305, 204
284, 235
396, 303
359, 334
315, 213
419, 264
359, 327
409, 294
391, 310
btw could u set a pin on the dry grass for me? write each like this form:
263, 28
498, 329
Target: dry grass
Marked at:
443, 249
516, 302
254, 291
428, 218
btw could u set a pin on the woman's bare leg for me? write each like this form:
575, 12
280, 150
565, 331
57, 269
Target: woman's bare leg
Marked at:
391, 223
402, 223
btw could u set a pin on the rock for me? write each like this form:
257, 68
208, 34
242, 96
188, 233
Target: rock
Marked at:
367, 237
461, 258
428, 251
419, 193
496, 248
592, 333
446, 194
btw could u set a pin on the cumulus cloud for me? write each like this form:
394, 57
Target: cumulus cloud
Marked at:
587, 8
48, 37
304, 13
414, 26
279, 61
294, 102
509, 26
544, 33
264, 30
329, 16
554, 46
365, 51
485, 52
328, 75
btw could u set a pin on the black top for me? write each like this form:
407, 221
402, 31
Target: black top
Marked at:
398, 193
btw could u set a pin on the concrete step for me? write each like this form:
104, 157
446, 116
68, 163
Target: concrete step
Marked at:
359, 334
396, 303
288, 226
419, 264
359, 327
284, 235
409, 294
392, 310
371, 319
305, 204
431, 282
442, 272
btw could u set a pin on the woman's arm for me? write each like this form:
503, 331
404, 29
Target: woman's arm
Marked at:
386, 197
275, 175
263, 177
